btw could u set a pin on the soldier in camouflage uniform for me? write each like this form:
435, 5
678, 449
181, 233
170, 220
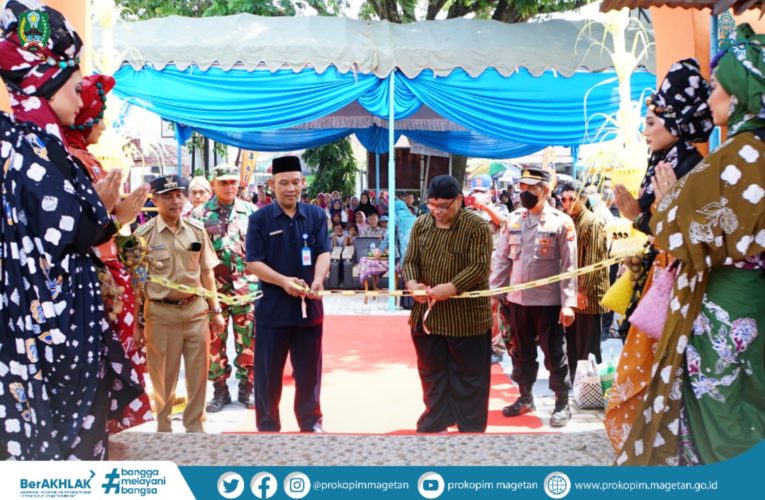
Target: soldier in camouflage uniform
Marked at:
225, 218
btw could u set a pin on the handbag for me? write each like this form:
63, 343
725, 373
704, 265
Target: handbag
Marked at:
588, 392
650, 315
617, 298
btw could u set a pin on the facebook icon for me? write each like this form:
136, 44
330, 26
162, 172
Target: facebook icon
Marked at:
263, 485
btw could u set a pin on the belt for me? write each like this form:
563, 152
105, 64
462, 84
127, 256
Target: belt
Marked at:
180, 303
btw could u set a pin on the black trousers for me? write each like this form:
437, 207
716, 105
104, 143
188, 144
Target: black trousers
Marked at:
455, 373
538, 325
304, 347
583, 339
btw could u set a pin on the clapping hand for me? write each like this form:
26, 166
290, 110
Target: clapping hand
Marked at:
128, 209
625, 202
108, 189
663, 180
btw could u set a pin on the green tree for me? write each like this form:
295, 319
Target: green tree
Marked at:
506, 11
148, 9
334, 167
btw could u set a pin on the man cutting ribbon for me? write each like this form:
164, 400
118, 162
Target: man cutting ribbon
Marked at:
287, 248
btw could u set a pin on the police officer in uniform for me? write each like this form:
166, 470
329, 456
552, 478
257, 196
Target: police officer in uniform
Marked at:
538, 242
225, 218
177, 324
288, 247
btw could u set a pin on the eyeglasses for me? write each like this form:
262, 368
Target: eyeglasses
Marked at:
567, 199
440, 208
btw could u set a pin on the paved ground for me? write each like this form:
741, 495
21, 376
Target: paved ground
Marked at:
582, 442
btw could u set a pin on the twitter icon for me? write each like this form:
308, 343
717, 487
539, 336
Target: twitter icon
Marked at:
230, 485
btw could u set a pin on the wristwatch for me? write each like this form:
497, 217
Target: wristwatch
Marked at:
216, 310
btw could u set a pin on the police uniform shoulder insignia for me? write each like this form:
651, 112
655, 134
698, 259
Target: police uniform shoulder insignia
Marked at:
558, 213
143, 229
196, 223
570, 230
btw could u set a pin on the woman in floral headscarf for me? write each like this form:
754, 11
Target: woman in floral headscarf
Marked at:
85, 131
62, 369
706, 400
677, 117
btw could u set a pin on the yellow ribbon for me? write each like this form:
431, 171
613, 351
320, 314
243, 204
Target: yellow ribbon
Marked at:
238, 300
472, 294
235, 300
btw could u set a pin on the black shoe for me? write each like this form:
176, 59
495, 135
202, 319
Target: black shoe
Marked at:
246, 395
522, 405
221, 397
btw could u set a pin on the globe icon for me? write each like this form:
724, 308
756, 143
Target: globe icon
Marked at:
557, 485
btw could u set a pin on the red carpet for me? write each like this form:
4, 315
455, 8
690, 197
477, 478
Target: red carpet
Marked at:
370, 383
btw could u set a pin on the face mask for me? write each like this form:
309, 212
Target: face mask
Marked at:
594, 201
529, 200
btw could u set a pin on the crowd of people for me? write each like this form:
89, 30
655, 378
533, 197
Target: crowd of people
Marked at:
88, 310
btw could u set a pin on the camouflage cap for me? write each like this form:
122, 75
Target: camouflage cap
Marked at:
226, 172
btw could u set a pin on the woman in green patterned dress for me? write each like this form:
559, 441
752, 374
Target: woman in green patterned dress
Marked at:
706, 400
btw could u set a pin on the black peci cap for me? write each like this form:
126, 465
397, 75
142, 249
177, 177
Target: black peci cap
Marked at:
444, 187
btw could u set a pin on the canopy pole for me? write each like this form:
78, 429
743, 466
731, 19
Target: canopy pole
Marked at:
450, 164
377, 180
391, 192
180, 160
714, 35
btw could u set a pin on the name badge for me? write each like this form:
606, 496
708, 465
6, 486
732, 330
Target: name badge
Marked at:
274, 233
306, 252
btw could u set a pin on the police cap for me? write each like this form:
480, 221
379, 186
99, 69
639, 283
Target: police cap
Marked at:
534, 175
168, 183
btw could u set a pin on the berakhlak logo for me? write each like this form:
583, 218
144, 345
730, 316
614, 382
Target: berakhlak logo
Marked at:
230, 485
61, 486
297, 485
263, 485
430, 485
557, 485
112, 484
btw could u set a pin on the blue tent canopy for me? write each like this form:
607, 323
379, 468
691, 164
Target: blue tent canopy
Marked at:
471, 87
487, 116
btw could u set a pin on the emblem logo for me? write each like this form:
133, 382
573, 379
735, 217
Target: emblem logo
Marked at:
34, 30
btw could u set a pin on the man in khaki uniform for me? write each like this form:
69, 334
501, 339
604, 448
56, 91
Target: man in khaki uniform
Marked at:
537, 242
176, 323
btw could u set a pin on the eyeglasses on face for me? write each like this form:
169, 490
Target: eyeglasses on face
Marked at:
441, 207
